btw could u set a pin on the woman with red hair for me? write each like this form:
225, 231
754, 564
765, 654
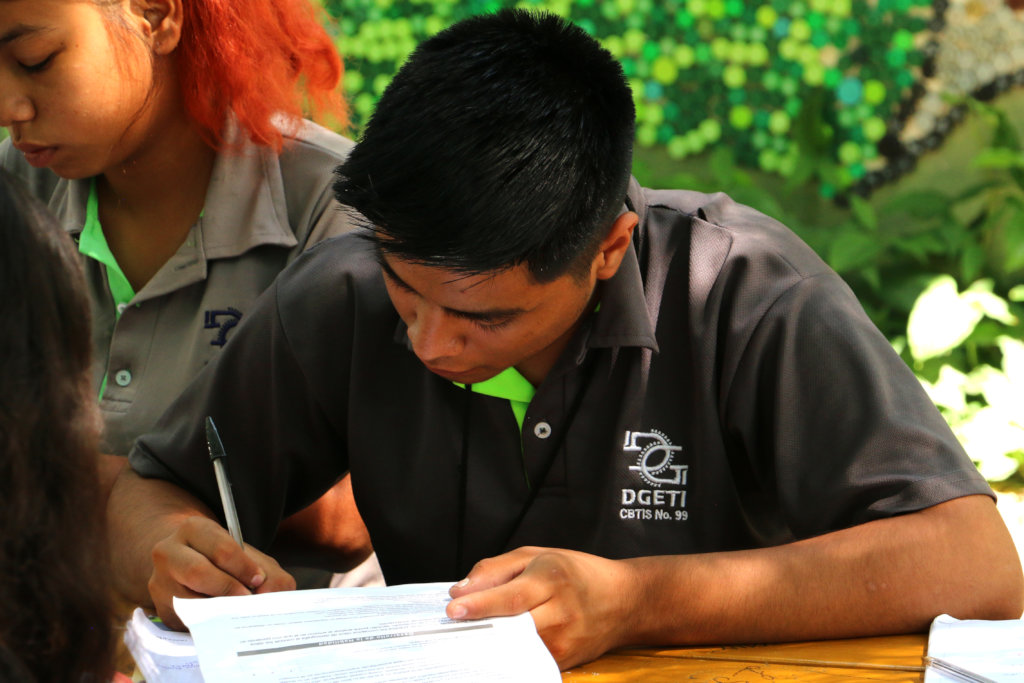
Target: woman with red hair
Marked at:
169, 138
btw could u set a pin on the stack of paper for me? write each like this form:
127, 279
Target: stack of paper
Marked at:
161, 655
397, 633
986, 650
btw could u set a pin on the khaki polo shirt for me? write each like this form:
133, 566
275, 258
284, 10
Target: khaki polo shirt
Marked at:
729, 393
261, 211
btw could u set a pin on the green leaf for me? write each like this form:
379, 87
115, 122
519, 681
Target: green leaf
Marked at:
989, 439
1016, 294
1013, 367
872, 276
920, 246
1000, 158
980, 377
971, 261
940, 320
923, 204
979, 296
852, 250
899, 344
948, 390
1012, 238
977, 189
864, 213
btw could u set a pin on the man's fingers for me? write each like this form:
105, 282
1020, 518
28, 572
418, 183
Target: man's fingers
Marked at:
495, 571
213, 542
510, 599
524, 592
202, 560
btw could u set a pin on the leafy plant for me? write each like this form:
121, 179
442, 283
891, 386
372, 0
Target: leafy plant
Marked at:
983, 404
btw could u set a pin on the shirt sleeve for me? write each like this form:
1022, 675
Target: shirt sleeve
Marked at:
837, 423
283, 451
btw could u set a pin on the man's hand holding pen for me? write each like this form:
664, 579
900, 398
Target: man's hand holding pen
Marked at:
201, 559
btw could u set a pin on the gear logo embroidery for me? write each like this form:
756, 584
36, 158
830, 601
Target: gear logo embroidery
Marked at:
661, 494
655, 458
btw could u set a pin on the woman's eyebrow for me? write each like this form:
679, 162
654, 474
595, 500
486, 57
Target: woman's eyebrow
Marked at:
20, 31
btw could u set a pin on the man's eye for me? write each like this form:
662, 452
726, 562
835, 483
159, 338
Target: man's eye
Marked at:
38, 67
492, 326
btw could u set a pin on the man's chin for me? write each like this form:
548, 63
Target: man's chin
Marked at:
473, 376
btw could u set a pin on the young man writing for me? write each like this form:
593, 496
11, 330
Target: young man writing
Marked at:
645, 417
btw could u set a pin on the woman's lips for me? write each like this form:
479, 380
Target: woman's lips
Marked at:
37, 155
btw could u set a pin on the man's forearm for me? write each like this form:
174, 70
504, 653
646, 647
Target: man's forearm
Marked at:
141, 512
886, 576
329, 533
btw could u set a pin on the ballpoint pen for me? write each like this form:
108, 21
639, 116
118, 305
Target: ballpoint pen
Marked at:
217, 455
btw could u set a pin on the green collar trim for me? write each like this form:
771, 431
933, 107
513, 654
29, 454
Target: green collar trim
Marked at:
511, 386
93, 244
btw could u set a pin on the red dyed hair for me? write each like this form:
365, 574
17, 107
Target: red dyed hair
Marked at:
261, 60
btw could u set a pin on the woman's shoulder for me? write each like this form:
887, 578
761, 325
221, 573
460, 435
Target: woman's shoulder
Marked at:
311, 138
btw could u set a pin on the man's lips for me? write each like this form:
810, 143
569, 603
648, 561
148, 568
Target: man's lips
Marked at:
451, 375
37, 155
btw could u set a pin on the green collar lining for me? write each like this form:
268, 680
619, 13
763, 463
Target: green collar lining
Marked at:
509, 385
93, 244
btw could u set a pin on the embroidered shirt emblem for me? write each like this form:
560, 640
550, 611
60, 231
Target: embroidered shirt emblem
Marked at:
232, 315
661, 494
656, 457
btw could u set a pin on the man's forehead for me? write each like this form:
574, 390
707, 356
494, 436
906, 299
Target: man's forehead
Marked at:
499, 294
436, 275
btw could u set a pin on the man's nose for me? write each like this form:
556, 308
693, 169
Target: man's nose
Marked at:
434, 335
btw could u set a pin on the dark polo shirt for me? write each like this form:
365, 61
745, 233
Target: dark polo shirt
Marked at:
729, 393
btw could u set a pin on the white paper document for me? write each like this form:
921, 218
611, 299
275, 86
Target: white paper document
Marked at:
161, 655
993, 650
398, 633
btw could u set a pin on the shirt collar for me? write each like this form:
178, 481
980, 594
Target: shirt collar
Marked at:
623, 319
245, 207
245, 204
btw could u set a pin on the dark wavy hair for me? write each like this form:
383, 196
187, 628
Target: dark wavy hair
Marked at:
55, 596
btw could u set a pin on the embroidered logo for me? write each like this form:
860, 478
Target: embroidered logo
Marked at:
656, 457
232, 315
662, 479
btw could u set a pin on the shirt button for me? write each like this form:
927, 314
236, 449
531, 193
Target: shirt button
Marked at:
123, 378
542, 430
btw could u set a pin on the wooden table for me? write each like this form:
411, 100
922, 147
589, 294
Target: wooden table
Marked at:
888, 658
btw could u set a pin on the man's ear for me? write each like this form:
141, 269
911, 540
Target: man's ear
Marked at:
159, 21
613, 247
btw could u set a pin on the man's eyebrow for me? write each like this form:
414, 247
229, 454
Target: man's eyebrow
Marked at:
21, 30
490, 315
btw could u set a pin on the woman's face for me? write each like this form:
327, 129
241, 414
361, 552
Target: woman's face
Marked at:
75, 85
